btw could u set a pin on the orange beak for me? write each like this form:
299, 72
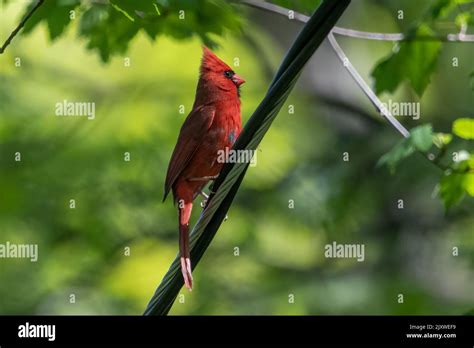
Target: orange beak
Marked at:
237, 80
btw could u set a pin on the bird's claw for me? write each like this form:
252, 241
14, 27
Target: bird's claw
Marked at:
204, 202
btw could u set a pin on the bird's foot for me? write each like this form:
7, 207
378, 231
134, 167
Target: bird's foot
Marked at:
187, 272
204, 203
206, 197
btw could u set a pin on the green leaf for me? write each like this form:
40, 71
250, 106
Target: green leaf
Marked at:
454, 186
400, 151
464, 128
413, 61
441, 8
469, 184
452, 189
232, 174
56, 14
442, 139
463, 19
107, 30
109, 27
468, 166
421, 139
470, 162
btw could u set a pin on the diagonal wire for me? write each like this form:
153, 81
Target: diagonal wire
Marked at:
231, 176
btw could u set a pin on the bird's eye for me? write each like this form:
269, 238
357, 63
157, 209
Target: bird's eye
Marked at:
228, 74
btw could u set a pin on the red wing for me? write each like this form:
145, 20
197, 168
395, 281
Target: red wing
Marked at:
190, 137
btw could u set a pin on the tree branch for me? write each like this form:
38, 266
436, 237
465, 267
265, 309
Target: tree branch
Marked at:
20, 25
459, 37
366, 89
456, 37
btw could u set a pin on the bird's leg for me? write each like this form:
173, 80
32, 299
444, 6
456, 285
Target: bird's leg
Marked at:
206, 196
204, 178
204, 202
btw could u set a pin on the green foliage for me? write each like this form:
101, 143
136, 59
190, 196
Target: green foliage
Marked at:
415, 61
420, 139
458, 178
469, 182
411, 61
452, 189
454, 186
442, 8
441, 140
462, 20
107, 30
464, 128
56, 14
110, 27
303, 6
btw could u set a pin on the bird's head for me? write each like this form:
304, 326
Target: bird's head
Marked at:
217, 73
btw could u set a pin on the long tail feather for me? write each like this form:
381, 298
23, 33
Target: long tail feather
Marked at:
185, 209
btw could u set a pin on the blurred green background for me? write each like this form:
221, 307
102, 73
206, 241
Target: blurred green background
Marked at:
280, 249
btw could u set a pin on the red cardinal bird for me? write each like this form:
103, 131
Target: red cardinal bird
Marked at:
212, 126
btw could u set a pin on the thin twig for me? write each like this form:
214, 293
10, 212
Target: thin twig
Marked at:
20, 25
366, 89
456, 37
354, 74
459, 37
347, 64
